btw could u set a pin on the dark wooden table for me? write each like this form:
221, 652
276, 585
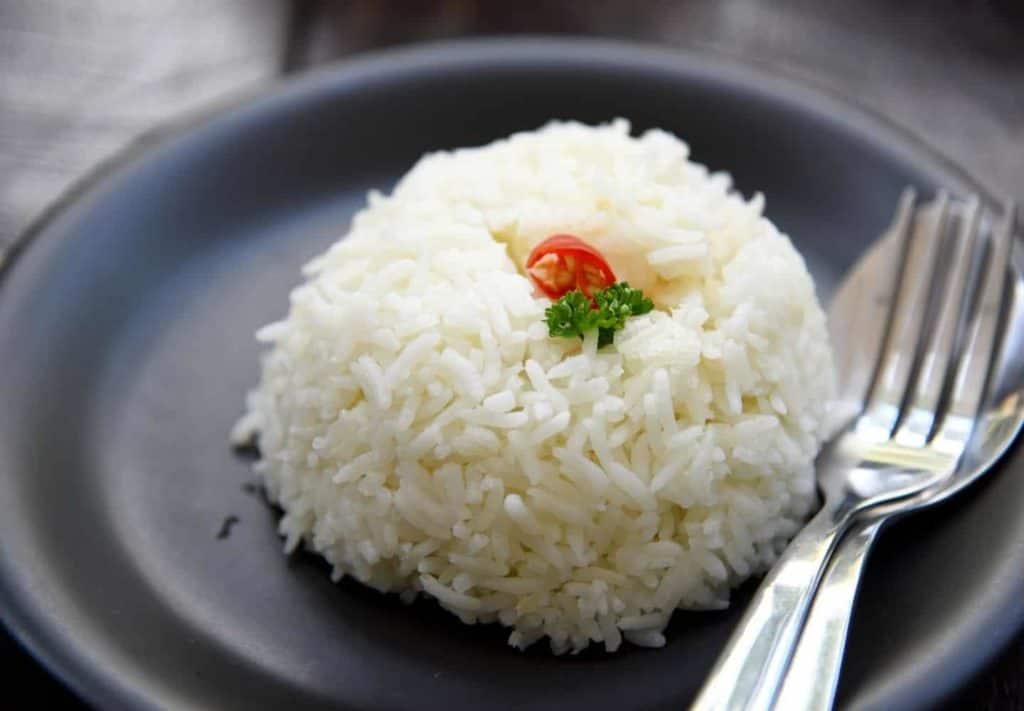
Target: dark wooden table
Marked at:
80, 79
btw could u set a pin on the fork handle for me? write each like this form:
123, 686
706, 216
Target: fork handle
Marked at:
811, 681
748, 673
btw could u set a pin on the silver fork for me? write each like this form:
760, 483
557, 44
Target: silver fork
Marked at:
906, 438
811, 680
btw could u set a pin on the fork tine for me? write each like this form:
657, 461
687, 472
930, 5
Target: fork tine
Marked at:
972, 370
907, 321
954, 298
864, 303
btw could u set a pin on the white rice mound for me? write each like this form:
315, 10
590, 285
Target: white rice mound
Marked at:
423, 432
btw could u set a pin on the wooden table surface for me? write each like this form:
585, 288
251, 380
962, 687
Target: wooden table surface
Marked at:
81, 79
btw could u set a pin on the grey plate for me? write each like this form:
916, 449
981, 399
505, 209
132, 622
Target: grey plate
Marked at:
126, 336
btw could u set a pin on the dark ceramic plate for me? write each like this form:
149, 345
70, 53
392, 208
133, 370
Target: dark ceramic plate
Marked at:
126, 326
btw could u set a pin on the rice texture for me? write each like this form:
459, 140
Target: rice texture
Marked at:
423, 432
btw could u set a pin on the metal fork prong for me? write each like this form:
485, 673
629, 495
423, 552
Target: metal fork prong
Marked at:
972, 370
891, 381
954, 297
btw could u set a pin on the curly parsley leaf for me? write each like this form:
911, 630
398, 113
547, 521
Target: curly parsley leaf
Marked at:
570, 316
620, 301
574, 314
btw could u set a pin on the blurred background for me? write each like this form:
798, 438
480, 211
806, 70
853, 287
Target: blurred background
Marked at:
82, 79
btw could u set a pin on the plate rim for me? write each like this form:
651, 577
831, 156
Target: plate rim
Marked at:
104, 687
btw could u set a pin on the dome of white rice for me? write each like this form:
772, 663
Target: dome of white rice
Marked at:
423, 432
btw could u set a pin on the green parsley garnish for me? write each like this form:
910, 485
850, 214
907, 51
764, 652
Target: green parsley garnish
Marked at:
574, 314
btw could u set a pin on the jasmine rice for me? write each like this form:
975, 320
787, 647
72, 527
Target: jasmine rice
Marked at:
423, 432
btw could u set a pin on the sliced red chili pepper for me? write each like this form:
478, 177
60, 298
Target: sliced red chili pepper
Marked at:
564, 262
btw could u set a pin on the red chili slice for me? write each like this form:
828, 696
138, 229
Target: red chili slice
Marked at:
562, 263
